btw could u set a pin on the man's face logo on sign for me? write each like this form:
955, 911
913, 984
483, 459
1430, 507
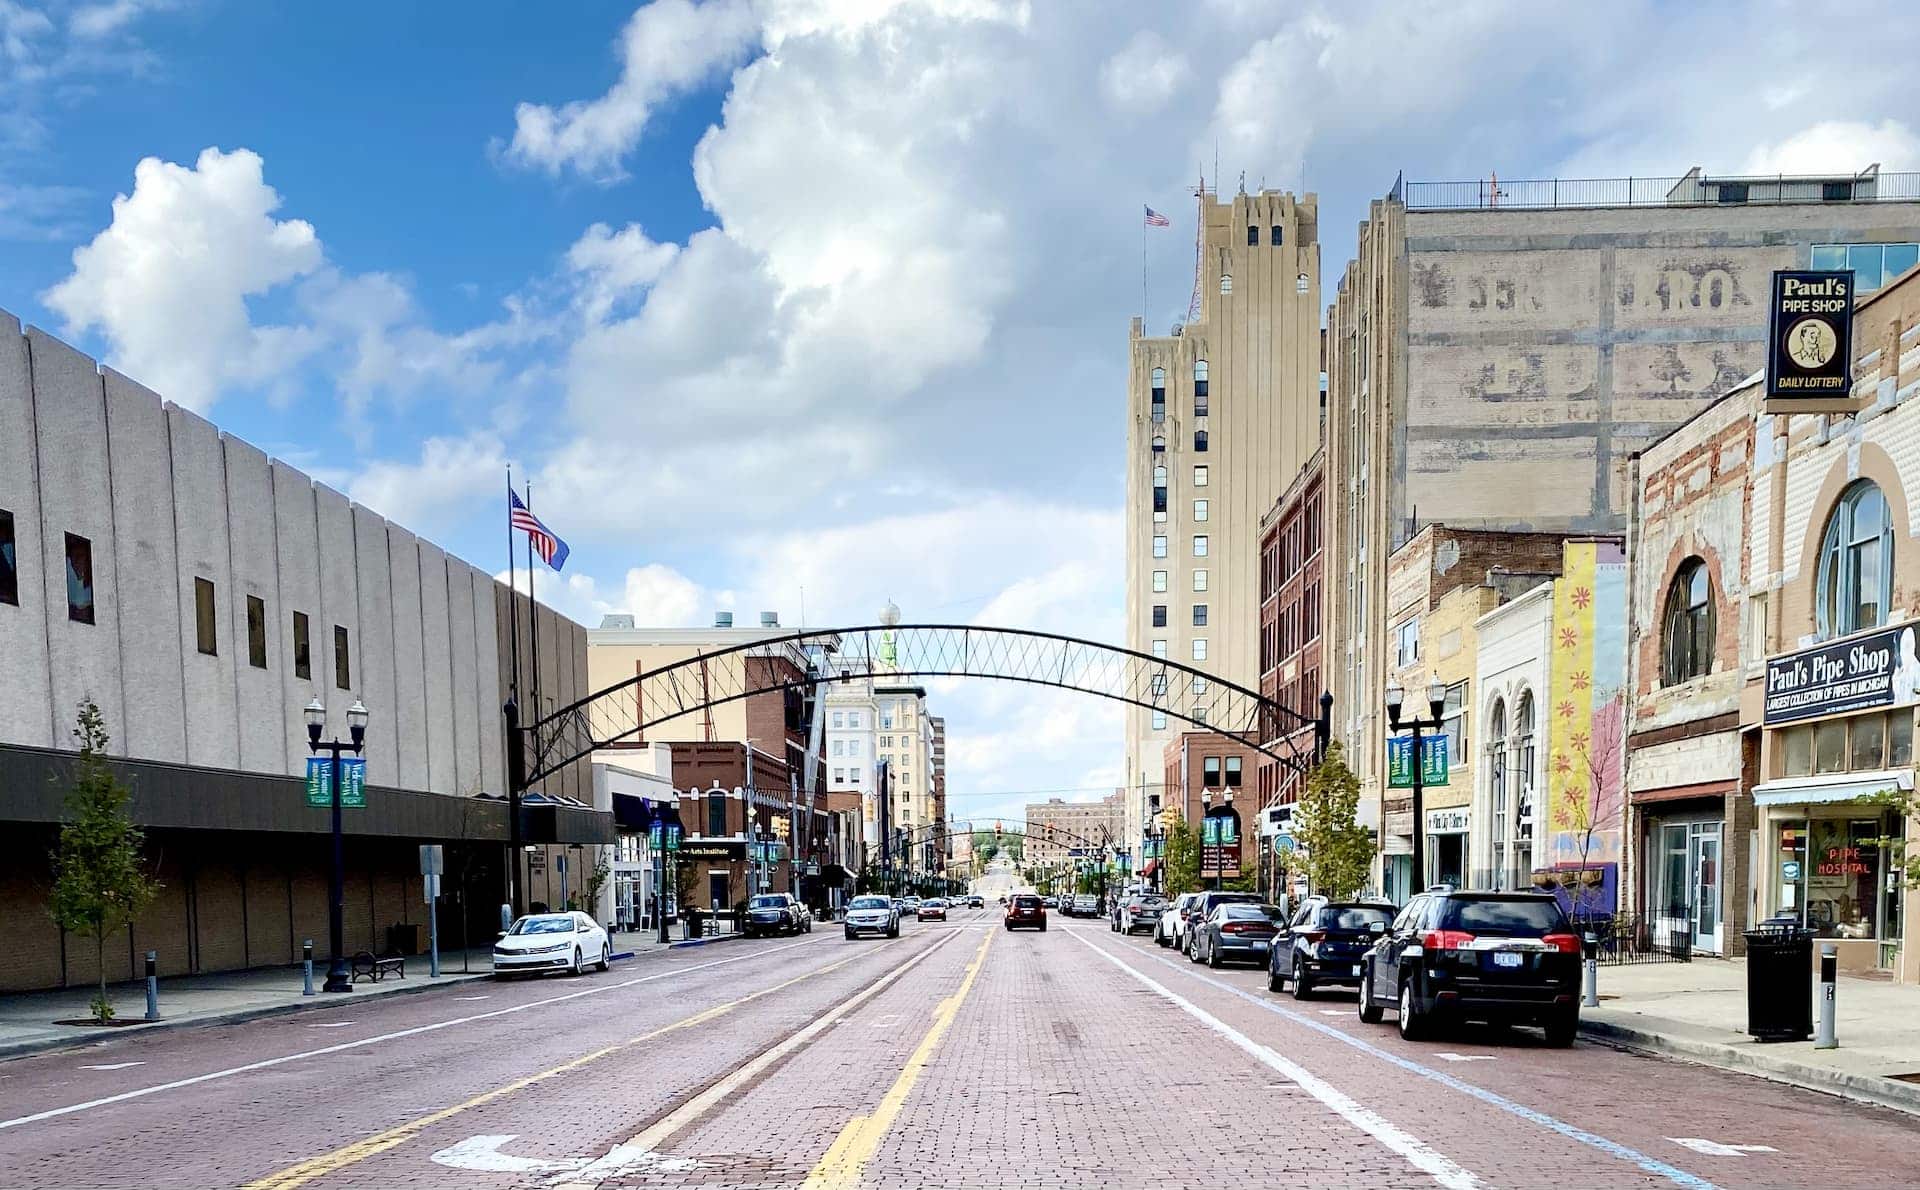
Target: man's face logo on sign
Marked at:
1811, 342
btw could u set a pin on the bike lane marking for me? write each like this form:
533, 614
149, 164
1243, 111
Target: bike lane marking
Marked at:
1412, 1149
414, 1031
1653, 1165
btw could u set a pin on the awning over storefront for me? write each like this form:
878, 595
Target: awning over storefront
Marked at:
1834, 787
1681, 793
1152, 866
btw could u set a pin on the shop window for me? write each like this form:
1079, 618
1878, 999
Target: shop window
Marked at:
1842, 888
1454, 724
1856, 563
1688, 625
256, 632
1858, 744
1233, 772
1210, 770
342, 664
1159, 444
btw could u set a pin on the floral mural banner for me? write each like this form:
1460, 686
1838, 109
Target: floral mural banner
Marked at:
1586, 764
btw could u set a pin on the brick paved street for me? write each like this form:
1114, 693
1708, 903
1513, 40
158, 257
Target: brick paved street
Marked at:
958, 1056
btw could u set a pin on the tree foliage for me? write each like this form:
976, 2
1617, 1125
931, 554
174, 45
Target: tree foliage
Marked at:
1339, 851
1182, 859
100, 877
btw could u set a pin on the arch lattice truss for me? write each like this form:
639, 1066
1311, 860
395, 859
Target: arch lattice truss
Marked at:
623, 712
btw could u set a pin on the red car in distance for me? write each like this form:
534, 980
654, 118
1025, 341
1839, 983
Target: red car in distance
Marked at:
1026, 911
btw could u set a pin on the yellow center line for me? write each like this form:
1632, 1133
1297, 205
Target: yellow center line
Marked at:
352, 1154
846, 1158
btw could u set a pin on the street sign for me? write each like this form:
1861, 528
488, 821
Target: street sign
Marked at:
433, 859
431, 887
353, 781
1810, 328
1433, 761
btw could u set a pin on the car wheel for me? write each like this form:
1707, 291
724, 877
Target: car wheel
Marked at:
1275, 981
1213, 957
1043, 927
1302, 986
1413, 1022
1561, 1029
606, 955
1369, 1011
578, 963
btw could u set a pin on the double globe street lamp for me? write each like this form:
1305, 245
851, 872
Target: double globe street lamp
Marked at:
1435, 722
338, 978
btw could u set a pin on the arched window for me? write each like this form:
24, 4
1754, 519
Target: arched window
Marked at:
1226, 282
1160, 477
1855, 581
1159, 444
1523, 766
1497, 789
1687, 626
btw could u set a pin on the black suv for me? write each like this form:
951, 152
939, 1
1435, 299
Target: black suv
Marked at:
1507, 958
1323, 943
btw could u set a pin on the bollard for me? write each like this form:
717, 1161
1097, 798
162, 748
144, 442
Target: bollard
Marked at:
153, 985
1823, 1037
306, 963
1590, 976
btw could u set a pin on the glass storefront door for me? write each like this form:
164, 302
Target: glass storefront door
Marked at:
1703, 872
1684, 901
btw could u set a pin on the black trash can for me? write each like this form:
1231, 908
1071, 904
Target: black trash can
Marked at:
1780, 983
693, 924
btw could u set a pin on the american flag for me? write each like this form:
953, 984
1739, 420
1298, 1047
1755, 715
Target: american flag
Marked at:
551, 549
1156, 219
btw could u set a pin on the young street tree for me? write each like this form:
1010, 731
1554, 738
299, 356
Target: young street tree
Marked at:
100, 880
1182, 859
1339, 851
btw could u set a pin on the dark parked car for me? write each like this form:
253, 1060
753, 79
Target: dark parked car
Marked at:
1324, 943
777, 913
1141, 911
1506, 958
1026, 911
1236, 932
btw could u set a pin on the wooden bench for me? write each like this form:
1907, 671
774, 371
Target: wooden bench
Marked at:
367, 965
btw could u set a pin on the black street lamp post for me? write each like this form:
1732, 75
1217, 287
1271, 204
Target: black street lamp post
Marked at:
1436, 711
338, 979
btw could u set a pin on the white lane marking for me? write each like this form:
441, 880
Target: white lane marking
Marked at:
1450, 1056
887, 1022
323, 1051
334, 1025
1672, 1173
112, 1065
622, 1160
1714, 1148
482, 1155
1334, 1012
1415, 1151
473, 997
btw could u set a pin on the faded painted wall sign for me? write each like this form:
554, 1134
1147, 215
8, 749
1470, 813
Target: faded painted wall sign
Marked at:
1810, 337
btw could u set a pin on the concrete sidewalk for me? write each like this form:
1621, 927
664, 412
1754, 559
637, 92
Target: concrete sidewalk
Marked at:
1698, 1012
27, 1019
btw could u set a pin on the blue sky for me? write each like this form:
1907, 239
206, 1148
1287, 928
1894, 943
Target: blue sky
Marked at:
821, 294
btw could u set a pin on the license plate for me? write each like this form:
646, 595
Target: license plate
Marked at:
1354, 970
1503, 958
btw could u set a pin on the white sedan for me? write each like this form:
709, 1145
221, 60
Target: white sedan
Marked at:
552, 942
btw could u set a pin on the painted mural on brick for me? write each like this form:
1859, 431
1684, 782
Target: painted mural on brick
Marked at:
1586, 767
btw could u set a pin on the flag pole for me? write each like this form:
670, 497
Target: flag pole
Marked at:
1146, 310
533, 617
515, 886
513, 601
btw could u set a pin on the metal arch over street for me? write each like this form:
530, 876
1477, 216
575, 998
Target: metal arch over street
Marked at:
884, 653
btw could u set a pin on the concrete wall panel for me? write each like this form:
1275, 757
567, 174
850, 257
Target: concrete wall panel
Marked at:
76, 497
375, 681
27, 692
442, 773
202, 536
1482, 481
486, 633
297, 540
340, 608
1496, 388
466, 678
256, 575
141, 459
409, 664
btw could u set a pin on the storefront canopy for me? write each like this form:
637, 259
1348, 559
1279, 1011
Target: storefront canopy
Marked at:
1834, 787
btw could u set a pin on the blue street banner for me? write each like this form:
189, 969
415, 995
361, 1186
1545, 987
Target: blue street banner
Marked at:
353, 782
1433, 761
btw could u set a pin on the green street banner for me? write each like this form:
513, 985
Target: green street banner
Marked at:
1433, 761
353, 781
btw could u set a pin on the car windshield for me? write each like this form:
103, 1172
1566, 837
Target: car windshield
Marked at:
1525, 917
870, 903
767, 903
1252, 913
1355, 918
542, 925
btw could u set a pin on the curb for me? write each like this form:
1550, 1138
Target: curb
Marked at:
704, 941
23, 1049
1861, 1088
